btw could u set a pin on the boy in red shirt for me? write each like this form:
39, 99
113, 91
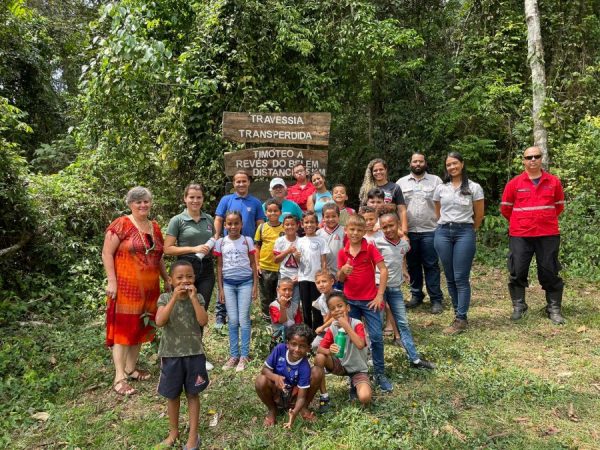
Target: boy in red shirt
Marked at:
356, 264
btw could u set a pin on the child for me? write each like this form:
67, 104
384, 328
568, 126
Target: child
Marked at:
283, 254
237, 278
393, 249
286, 380
284, 312
264, 241
183, 364
354, 361
340, 197
356, 263
325, 282
312, 253
376, 199
333, 233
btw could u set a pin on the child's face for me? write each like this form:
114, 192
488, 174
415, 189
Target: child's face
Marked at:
310, 225
370, 219
376, 203
233, 225
331, 219
339, 195
273, 213
389, 225
285, 290
182, 275
298, 348
324, 283
241, 183
290, 227
355, 233
338, 308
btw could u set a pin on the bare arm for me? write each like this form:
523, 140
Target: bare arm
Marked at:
111, 244
218, 226
477, 214
310, 205
403, 219
220, 279
257, 257
323, 262
437, 209
358, 341
201, 315
254, 268
164, 312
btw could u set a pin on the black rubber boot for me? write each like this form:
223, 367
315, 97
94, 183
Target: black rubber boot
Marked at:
437, 307
517, 295
554, 301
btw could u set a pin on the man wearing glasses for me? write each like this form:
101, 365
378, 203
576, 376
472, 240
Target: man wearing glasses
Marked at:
532, 202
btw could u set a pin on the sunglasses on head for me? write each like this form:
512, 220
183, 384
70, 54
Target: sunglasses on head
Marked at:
531, 157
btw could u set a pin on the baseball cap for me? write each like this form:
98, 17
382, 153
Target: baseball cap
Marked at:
277, 182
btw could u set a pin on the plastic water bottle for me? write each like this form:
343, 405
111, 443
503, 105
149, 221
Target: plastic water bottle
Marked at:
211, 244
340, 340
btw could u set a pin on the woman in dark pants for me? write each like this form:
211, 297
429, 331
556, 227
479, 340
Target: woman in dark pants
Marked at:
190, 237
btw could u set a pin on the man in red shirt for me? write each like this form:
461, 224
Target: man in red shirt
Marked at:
532, 203
303, 188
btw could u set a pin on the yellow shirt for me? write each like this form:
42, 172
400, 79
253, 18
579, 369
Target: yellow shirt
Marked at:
265, 236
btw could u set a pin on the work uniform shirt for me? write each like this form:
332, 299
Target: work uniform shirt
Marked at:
335, 239
190, 233
249, 207
532, 210
418, 195
454, 206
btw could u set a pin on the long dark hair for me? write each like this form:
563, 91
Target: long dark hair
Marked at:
464, 184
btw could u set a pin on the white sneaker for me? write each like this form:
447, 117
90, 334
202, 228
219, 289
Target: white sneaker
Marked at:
209, 366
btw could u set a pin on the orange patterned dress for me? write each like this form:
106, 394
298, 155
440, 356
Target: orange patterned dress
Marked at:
138, 284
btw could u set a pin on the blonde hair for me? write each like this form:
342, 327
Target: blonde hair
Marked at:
368, 180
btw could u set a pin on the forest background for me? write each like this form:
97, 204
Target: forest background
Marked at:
97, 96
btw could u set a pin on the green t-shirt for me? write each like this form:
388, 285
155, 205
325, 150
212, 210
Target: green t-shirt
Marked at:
182, 334
190, 233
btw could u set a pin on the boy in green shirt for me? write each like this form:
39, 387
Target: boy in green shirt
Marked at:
182, 315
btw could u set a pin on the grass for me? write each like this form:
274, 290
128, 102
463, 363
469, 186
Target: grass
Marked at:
501, 385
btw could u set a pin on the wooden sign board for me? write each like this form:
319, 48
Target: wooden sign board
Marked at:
272, 162
277, 128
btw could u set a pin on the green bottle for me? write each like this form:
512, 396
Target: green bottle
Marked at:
340, 340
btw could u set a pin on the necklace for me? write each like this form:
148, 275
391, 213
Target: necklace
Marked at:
137, 227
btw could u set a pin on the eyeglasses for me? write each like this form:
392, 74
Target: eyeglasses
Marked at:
532, 157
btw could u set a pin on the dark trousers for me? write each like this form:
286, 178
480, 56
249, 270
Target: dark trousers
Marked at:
267, 284
422, 257
308, 294
204, 271
545, 248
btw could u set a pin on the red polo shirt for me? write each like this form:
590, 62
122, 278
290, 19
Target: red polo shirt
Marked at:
360, 284
300, 194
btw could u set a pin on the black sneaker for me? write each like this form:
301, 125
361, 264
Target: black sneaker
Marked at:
324, 405
436, 308
422, 364
414, 302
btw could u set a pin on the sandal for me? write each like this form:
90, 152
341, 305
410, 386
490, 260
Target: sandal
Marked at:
122, 387
138, 375
269, 421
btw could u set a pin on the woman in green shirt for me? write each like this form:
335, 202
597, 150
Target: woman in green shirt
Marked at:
190, 237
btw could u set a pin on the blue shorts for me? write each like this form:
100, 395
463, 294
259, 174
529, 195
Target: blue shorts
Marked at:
180, 372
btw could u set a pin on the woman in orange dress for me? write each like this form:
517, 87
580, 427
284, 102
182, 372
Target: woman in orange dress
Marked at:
132, 257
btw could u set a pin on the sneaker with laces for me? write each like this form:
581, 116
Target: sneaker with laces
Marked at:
243, 362
422, 364
231, 363
384, 384
456, 327
324, 405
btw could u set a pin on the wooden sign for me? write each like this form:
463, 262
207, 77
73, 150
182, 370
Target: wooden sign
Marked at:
274, 162
277, 128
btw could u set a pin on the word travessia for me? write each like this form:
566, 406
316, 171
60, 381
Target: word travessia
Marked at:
279, 120
275, 134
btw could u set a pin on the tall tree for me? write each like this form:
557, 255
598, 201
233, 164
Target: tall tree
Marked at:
535, 55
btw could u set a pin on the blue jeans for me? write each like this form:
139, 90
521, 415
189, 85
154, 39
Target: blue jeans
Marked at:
238, 300
455, 245
372, 320
394, 298
422, 257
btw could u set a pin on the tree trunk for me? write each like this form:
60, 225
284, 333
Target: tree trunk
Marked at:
535, 56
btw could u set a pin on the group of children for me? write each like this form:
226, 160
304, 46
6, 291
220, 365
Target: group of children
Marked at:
333, 278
